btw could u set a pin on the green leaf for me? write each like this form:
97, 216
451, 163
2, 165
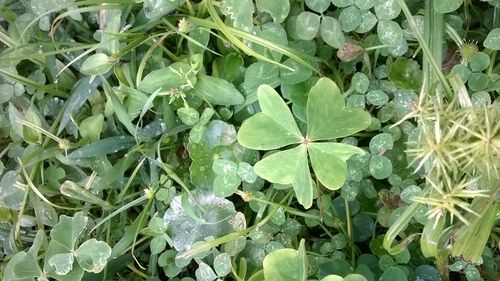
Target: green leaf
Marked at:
246, 172
447, 6
390, 33
90, 128
281, 167
283, 265
327, 117
63, 263
350, 18
154, 9
24, 266
217, 91
492, 41
479, 62
307, 25
96, 64
377, 97
240, 12
188, 115
368, 21
225, 185
11, 195
92, 255
272, 128
380, 167
166, 78
387, 9
381, 142
222, 264
318, 6
405, 73
331, 32
278, 9
329, 162
299, 72
393, 273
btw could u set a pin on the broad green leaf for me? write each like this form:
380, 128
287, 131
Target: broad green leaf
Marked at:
240, 12
447, 6
307, 25
281, 167
188, 115
329, 162
393, 273
318, 6
380, 143
205, 272
154, 9
299, 72
222, 264
377, 97
217, 91
331, 32
200, 35
368, 21
342, 3
405, 73
24, 266
103, 147
257, 74
32, 135
225, 185
215, 213
479, 62
278, 9
282, 265
166, 78
63, 263
157, 244
90, 128
364, 4
380, 167
11, 195
96, 64
332, 278
272, 128
390, 33
478, 81
92, 255
492, 41
387, 9
274, 33
246, 172
327, 117
350, 18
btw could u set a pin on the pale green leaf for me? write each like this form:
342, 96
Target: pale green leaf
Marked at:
329, 162
11, 195
282, 265
63, 263
278, 9
92, 255
331, 32
492, 41
327, 117
307, 25
447, 6
217, 91
281, 166
240, 12
272, 128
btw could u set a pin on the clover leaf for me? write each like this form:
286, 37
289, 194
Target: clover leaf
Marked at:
327, 119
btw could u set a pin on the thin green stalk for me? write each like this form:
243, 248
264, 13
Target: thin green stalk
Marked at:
433, 32
425, 48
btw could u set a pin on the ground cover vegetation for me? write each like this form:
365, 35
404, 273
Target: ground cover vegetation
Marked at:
249, 140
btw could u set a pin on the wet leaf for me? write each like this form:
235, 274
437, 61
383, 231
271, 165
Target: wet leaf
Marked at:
278, 9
